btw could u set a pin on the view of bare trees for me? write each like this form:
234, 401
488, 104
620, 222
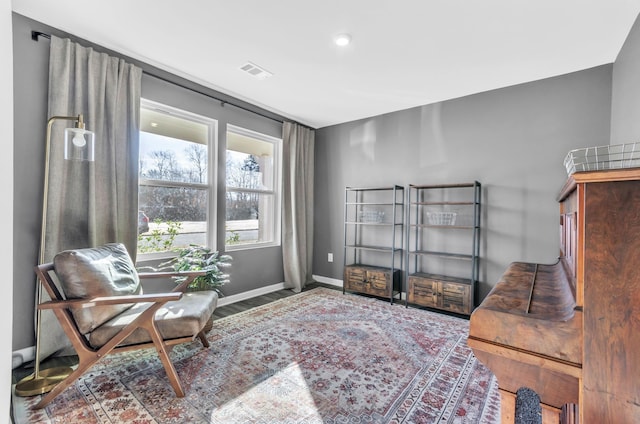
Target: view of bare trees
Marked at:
161, 199
163, 165
243, 172
181, 202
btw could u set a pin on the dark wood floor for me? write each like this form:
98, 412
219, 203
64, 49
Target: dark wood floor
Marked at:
234, 308
220, 312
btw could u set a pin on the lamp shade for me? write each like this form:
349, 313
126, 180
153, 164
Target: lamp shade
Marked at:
78, 144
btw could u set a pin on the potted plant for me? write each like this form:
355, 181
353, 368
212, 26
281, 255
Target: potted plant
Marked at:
200, 258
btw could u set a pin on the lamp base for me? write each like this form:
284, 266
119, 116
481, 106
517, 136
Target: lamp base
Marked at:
44, 382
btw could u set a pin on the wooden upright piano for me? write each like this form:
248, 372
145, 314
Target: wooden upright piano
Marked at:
571, 330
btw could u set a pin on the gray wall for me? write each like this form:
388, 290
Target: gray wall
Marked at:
30, 62
6, 173
512, 140
251, 269
625, 100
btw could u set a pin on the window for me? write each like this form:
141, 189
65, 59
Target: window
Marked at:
176, 183
253, 189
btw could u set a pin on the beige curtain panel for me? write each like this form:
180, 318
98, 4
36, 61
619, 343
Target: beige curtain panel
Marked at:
91, 203
297, 212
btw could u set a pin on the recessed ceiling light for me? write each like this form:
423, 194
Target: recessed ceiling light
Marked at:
154, 124
342, 39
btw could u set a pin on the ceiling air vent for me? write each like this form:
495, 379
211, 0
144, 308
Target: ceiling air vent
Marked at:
256, 71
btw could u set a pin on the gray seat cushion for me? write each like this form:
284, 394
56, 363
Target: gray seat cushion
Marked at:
95, 272
181, 318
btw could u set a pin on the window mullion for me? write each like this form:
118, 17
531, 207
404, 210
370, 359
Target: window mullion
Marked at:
249, 190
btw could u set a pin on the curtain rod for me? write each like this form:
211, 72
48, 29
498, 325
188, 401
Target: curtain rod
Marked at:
35, 35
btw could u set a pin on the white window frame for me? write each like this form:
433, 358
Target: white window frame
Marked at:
276, 192
212, 172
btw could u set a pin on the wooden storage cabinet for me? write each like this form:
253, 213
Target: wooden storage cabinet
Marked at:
371, 280
441, 292
423, 290
373, 240
443, 246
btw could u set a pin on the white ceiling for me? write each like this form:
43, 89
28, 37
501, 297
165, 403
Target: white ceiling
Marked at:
404, 53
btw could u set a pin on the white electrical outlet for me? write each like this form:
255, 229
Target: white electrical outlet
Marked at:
330, 257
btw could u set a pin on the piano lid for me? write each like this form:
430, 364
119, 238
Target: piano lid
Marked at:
531, 309
532, 290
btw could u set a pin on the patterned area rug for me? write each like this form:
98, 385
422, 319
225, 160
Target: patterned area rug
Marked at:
317, 357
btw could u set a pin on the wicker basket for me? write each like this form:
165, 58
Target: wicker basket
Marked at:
441, 218
598, 158
371, 216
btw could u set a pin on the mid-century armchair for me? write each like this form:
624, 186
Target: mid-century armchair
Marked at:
101, 308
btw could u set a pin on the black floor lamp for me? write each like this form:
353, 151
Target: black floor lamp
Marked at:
78, 145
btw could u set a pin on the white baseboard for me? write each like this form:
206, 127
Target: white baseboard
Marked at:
227, 300
19, 357
327, 280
